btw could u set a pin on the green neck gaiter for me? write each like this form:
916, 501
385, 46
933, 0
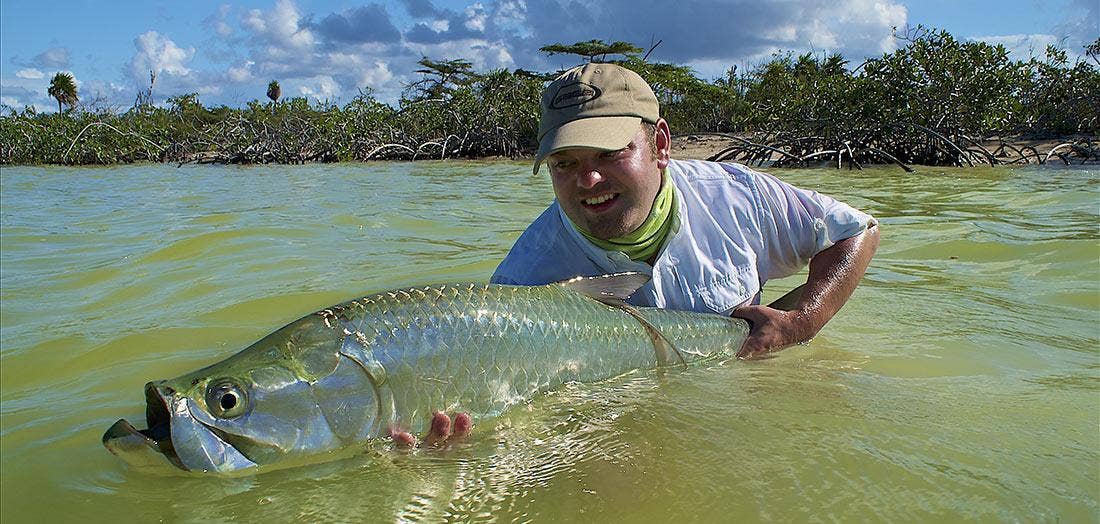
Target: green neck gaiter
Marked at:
644, 242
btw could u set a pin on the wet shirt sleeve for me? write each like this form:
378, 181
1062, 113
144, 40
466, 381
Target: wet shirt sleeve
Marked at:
798, 224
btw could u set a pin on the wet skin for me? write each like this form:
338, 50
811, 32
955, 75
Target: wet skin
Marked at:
834, 274
628, 178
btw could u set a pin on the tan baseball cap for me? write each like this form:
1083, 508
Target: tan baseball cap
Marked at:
594, 105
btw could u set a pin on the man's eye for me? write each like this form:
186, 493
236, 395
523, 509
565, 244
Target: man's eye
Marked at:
611, 154
563, 164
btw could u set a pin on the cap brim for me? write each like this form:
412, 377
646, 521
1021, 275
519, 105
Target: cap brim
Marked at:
607, 133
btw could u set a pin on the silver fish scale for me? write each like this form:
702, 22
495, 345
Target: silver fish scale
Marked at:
482, 348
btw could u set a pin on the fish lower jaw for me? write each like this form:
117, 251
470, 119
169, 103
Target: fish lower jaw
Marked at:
138, 446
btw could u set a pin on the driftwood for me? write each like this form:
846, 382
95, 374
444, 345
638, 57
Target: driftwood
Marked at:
113, 128
388, 146
1056, 148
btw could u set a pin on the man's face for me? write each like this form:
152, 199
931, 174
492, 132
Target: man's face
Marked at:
610, 193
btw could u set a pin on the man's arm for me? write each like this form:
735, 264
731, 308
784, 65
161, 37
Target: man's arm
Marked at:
834, 274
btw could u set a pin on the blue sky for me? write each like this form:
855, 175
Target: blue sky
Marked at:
329, 50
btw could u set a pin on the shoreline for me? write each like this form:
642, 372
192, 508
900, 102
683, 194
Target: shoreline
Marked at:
743, 148
1081, 149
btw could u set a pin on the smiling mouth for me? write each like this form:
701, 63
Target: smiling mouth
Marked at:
601, 202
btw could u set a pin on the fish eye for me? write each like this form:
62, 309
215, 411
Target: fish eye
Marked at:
226, 399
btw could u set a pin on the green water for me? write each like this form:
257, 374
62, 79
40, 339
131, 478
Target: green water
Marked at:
961, 381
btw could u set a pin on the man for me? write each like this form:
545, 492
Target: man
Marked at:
710, 234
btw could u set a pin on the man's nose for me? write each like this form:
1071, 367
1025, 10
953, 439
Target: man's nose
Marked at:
588, 178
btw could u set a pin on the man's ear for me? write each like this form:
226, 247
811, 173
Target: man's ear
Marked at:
664, 143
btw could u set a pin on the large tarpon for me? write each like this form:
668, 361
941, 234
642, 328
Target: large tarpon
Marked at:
352, 372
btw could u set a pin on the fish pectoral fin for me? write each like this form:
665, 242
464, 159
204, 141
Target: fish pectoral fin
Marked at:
662, 346
612, 286
613, 290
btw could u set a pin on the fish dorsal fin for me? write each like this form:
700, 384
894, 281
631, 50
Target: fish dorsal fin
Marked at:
614, 287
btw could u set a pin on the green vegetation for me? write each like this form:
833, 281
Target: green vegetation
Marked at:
592, 49
934, 101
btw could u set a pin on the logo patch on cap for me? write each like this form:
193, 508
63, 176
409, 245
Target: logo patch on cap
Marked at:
574, 94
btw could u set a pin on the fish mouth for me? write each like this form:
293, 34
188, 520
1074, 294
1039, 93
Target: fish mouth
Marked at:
150, 446
174, 434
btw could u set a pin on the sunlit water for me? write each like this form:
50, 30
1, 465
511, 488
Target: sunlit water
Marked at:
961, 381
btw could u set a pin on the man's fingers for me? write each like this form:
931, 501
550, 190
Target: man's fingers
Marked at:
749, 312
753, 315
440, 430
403, 439
462, 425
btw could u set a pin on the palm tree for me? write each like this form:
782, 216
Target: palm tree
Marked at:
274, 91
63, 88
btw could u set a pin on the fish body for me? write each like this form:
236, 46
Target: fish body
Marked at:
355, 371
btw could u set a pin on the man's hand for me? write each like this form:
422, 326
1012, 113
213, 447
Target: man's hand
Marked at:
834, 274
771, 330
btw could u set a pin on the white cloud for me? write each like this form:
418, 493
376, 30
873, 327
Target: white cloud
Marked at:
209, 89
511, 14
854, 28
481, 53
242, 73
818, 35
11, 102
30, 74
475, 17
323, 88
155, 52
377, 76
217, 21
223, 29
53, 57
280, 27
866, 26
782, 33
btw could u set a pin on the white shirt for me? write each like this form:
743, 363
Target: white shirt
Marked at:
735, 229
